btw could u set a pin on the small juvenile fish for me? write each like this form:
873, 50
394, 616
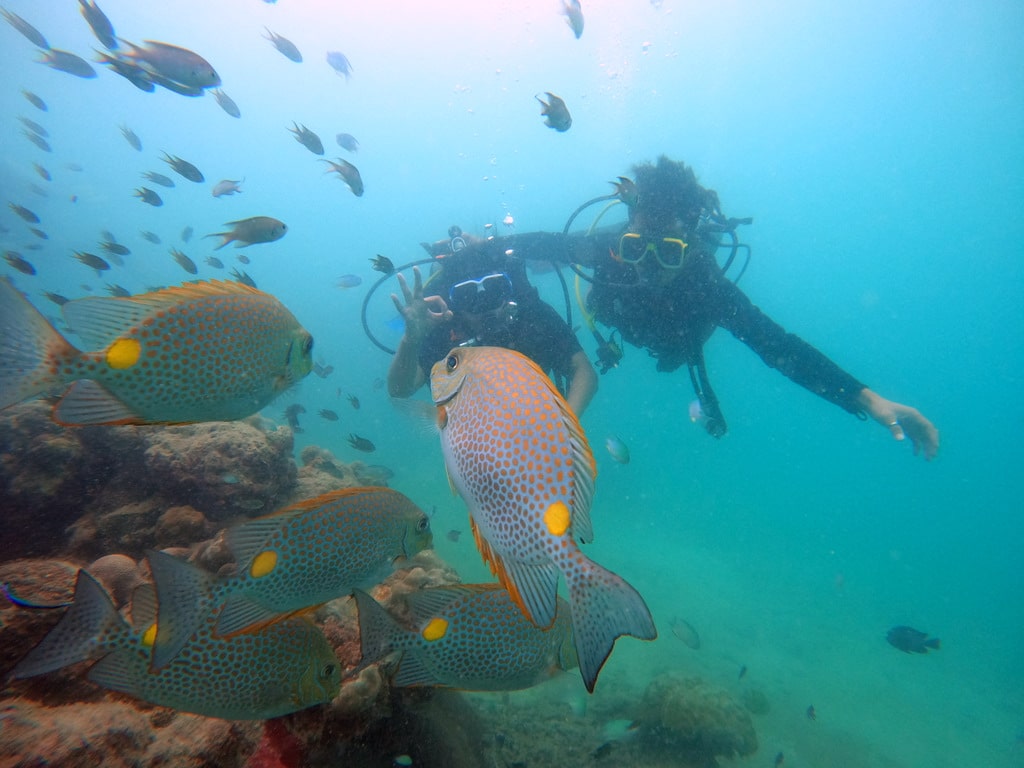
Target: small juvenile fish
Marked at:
467, 636
323, 371
347, 141
685, 631
186, 234
283, 668
307, 138
226, 102
226, 187
184, 262
349, 281
243, 277
118, 290
115, 248
184, 168
35, 101
33, 126
152, 237
353, 401
99, 23
39, 233
347, 173
453, 535
38, 140
169, 64
556, 114
45, 174
34, 35
214, 262
339, 62
383, 264
148, 196
284, 45
242, 258
910, 640
158, 178
303, 555
15, 260
573, 16
811, 714
361, 444
24, 213
252, 231
133, 73
328, 414
65, 61
234, 374
617, 449
56, 298
91, 260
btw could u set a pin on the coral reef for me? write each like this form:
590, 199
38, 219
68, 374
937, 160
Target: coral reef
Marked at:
691, 717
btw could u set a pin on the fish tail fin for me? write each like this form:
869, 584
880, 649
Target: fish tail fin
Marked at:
227, 238
29, 348
933, 642
379, 633
184, 599
604, 607
86, 630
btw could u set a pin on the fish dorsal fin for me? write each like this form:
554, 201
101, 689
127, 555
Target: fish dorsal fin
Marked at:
99, 320
584, 466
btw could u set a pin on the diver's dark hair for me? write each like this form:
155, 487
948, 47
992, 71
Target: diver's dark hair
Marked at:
669, 191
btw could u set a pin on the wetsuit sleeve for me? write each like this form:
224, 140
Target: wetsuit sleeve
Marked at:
436, 345
789, 354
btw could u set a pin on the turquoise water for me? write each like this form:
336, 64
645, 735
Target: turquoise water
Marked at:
878, 149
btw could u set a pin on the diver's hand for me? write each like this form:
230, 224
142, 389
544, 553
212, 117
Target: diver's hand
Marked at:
903, 422
420, 314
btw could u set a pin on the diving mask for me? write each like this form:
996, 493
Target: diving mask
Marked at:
481, 295
669, 251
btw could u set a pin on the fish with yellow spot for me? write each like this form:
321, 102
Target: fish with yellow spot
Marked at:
295, 558
468, 636
281, 669
517, 455
205, 351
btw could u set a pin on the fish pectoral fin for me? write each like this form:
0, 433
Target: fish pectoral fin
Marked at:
117, 671
89, 403
413, 672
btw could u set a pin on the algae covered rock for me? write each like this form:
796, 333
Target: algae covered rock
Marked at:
697, 719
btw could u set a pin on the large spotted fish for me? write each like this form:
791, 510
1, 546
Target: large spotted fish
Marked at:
468, 636
206, 351
298, 557
518, 457
281, 669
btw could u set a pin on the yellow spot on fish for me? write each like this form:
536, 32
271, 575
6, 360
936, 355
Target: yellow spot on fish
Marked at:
556, 518
436, 629
149, 636
263, 563
123, 353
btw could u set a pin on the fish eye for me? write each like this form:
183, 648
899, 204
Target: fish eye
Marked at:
452, 363
307, 345
423, 524
327, 671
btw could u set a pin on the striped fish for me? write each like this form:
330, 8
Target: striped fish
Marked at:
518, 457
295, 558
281, 669
206, 351
469, 636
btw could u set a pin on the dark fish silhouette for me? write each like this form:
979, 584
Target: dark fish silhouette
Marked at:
910, 640
328, 414
361, 444
100, 24
556, 114
383, 264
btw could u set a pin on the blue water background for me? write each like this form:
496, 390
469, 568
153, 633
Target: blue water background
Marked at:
879, 149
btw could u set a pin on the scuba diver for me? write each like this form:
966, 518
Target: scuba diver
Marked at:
481, 295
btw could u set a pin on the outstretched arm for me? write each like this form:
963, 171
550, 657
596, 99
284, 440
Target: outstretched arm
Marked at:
582, 385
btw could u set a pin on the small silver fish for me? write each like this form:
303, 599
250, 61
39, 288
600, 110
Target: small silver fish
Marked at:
284, 45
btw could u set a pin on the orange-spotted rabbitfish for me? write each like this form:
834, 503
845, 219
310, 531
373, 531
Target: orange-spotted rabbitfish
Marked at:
469, 636
280, 669
518, 457
206, 351
297, 557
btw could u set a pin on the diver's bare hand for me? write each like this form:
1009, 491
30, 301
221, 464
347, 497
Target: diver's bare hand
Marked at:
903, 422
420, 314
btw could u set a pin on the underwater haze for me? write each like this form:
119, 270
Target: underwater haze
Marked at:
879, 148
